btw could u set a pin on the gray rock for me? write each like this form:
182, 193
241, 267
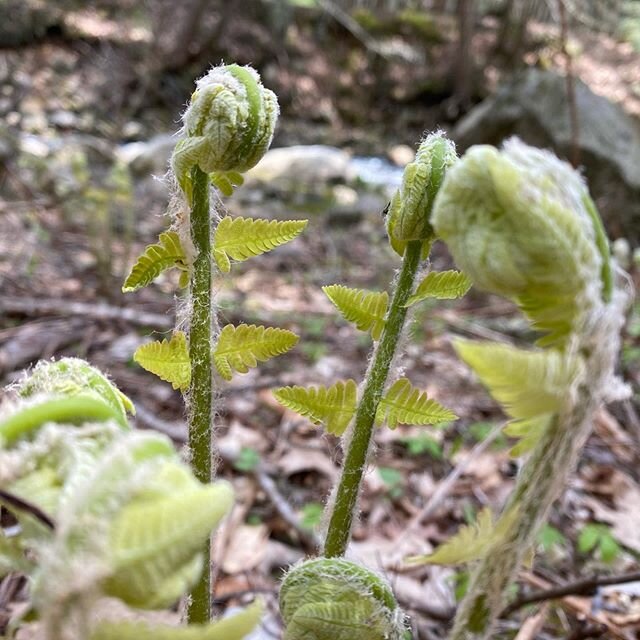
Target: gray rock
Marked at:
534, 107
308, 166
149, 157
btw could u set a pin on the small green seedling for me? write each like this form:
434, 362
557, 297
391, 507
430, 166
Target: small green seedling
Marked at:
597, 538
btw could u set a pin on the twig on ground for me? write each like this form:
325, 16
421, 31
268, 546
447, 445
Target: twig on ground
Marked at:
586, 586
445, 487
96, 311
310, 541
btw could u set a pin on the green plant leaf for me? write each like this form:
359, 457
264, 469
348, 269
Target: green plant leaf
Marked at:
443, 285
404, 404
311, 515
248, 459
241, 348
235, 627
332, 406
366, 309
159, 257
242, 238
471, 542
168, 359
423, 443
528, 431
528, 383
550, 537
153, 540
589, 537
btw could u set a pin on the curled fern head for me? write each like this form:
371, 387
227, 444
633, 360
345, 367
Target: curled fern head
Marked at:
410, 208
336, 599
228, 125
72, 377
521, 224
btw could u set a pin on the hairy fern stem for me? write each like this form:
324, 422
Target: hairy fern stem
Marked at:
542, 479
200, 391
344, 506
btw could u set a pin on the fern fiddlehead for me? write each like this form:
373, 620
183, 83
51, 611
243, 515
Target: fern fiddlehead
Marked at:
335, 599
521, 224
129, 518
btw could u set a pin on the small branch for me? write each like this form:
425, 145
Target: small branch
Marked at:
587, 586
310, 541
97, 311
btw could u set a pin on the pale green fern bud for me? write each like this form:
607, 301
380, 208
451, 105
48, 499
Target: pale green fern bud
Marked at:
228, 126
72, 377
409, 216
520, 223
335, 599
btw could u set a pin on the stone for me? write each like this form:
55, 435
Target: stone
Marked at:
307, 165
401, 155
533, 105
150, 156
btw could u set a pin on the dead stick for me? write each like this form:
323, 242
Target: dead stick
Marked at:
97, 311
585, 586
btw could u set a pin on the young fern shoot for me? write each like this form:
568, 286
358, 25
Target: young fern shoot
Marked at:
102, 512
522, 225
411, 235
228, 127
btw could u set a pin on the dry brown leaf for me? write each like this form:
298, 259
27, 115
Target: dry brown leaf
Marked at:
247, 548
298, 459
625, 517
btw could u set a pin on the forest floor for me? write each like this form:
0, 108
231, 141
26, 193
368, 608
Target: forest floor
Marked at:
59, 296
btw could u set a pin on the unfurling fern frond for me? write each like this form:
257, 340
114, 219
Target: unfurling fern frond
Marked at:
404, 404
443, 285
241, 348
366, 309
332, 406
472, 541
152, 541
527, 383
159, 257
242, 238
168, 359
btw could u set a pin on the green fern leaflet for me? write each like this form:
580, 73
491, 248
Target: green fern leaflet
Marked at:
242, 238
443, 285
404, 404
471, 542
241, 348
167, 253
529, 432
168, 359
527, 383
366, 309
332, 406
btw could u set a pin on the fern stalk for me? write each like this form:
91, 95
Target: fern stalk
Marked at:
344, 505
539, 484
200, 390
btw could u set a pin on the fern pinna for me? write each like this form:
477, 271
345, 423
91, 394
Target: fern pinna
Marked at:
383, 316
228, 126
